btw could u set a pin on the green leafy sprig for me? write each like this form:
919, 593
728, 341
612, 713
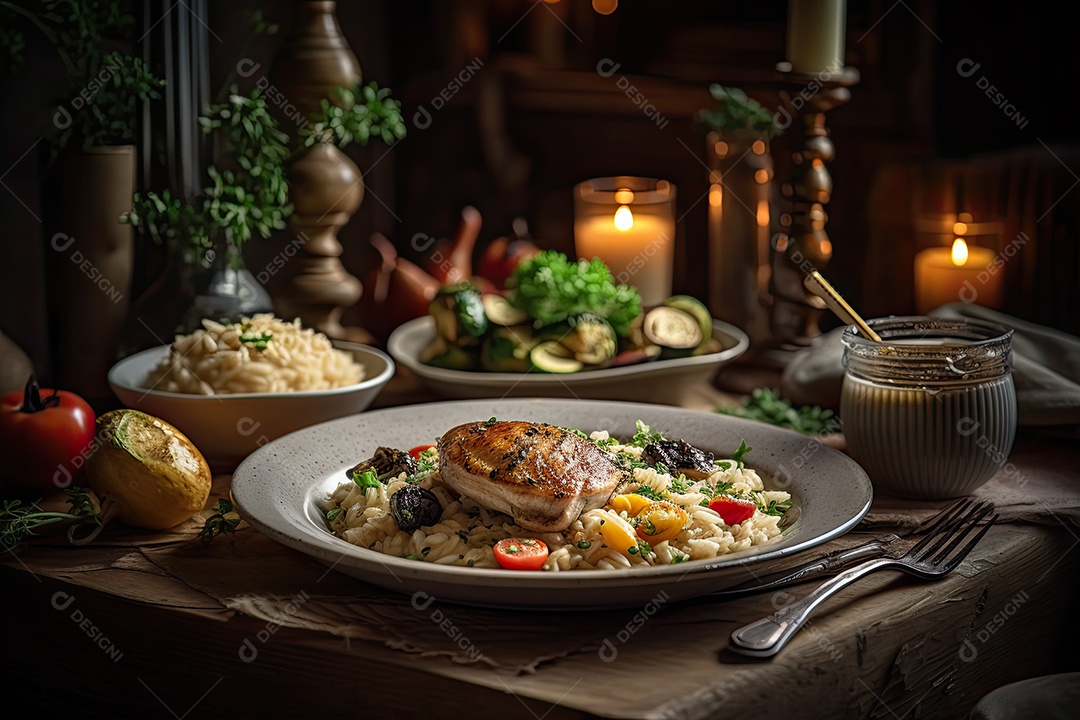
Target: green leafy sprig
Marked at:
356, 115
19, 520
247, 194
736, 111
223, 521
766, 405
104, 86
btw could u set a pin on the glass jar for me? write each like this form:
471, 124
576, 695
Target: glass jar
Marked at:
930, 412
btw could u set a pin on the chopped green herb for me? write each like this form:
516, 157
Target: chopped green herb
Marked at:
511, 549
584, 544
491, 421
406, 514
332, 515
425, 465
414, 557
644, 435
643, 547
648, 492
257, 341
723, 465
366, 479
577, 432
777, 507
679, 558
662, 469
737, 456
679, 484
633, 550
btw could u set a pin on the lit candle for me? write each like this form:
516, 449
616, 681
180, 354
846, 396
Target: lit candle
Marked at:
637, 248
944, 275
631, 231
815, 35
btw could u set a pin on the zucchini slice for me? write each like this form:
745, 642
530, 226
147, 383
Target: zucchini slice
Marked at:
499, 311
696, 308
672, 328
551, 357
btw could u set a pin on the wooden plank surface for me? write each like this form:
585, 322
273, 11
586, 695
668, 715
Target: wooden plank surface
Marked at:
887, 645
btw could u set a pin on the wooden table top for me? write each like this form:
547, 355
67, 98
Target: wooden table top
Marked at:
167, 626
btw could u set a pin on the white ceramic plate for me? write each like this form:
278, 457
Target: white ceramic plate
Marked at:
282, 488
659, 381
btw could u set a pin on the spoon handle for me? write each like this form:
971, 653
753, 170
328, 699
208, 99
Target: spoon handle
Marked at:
818, 285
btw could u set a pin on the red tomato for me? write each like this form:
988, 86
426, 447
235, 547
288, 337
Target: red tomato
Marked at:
733, 510
521, 553
415, 452
43, 440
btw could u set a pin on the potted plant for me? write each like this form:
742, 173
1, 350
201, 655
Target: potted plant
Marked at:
89, 178
739, 129
246, 195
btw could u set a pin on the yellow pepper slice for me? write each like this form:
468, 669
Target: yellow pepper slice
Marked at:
631, 503
618, 533
660, 521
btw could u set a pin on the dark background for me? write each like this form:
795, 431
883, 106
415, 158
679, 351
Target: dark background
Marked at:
912, 132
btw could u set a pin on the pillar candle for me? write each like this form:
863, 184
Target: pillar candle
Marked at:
944, 275
637, 247
815, 35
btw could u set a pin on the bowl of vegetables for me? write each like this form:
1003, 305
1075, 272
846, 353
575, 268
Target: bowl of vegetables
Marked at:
564, 328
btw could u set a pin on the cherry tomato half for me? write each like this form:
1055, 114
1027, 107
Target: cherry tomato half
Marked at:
415, 452
521, 553
732, 510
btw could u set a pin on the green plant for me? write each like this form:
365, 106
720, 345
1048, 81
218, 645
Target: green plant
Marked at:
357, 114
737, 112
766, 405
104, 85
247, 193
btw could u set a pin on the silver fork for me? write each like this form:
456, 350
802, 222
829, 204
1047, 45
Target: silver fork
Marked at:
936, 555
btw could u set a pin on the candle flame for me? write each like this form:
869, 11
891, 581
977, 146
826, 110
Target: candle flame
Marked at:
624, 219
959, 252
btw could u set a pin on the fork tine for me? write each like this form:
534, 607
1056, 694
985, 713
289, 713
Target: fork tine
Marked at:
977, 514
931, 523
956, 559
943, 525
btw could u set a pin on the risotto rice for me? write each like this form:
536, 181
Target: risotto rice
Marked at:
261, 354
466, 532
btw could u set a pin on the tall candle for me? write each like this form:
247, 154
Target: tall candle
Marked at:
815, 35
637, 247
944, 275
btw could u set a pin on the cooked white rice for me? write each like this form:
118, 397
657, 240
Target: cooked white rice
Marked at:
466, 531
261, 354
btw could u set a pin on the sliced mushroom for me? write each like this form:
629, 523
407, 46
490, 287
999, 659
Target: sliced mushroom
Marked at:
387, 462
680, 456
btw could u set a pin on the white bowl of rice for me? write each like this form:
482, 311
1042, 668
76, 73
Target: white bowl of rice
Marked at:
233, 388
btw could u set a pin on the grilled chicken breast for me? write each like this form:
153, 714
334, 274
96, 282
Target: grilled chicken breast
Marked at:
542, 475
